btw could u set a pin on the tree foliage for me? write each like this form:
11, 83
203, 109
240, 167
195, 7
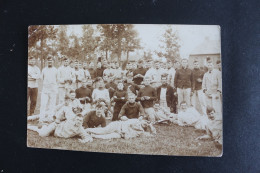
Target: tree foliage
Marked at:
169, 45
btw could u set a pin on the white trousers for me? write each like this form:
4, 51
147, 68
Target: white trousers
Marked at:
215, 102
48, 102
198, 101
150, 114
61, 93
184, 95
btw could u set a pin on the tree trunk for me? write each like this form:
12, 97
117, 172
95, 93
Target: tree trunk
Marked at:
41, 54
119, 51
127, 56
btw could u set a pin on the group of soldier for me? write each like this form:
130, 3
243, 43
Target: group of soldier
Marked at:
152, 90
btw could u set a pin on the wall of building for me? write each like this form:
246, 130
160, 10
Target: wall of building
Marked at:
202, 59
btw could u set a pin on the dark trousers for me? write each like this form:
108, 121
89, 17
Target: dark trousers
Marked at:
32, 93
117, 109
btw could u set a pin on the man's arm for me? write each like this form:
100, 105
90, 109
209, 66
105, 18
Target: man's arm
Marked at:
176, 78
86, 119
141, 110
154, 95
192, 81
138, 98
103, 123
122, 112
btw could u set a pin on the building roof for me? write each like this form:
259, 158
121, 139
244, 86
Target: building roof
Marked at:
207, 47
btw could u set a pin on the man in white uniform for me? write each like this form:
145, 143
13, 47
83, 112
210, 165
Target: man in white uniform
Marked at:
49, 87
64, 74
155, 75
212, 87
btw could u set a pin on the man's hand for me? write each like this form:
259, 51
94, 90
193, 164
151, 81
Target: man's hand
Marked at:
199, 80
147, 97
124, 118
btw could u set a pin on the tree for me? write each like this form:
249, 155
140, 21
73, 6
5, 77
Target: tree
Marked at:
118, 38
130, 41
75, 48
63, 41
89, 42
107, 41
169, 45
41, 33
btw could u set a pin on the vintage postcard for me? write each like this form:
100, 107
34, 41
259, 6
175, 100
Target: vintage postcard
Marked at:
125, 88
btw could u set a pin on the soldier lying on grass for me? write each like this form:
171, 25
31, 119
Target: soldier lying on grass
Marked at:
71, 127
127, 128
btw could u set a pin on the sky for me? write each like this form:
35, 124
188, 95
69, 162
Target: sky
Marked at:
190, 36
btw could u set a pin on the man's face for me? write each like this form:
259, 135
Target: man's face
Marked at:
84, 84
100, 84
134, 66
149, 64
147, 81
117, 65
164, 80
99, 111
139, 65
111, 78
177, 65
89, 83
184, 63
71, 65
211, 115
129, 79
78, 120
76, 65
156, 106
50, 61
210, 66
72, 96
32, 61
131, 99
169, 65
80, 65
66, 63
196, 65
157, 65
91, 65
184, 107
99, 65
67, 102
219, 66
120, 86
112, 65
85, 65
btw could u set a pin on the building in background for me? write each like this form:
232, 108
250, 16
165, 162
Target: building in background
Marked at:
208, 48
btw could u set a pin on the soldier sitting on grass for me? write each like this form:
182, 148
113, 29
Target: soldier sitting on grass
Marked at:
71, 127
213, 127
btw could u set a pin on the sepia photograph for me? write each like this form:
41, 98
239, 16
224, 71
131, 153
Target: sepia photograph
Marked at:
125, 88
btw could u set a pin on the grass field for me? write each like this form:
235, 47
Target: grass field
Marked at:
169, 140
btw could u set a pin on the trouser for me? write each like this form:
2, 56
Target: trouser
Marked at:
117, 109
198, 101
61, 93
215, 102
48, 102
32, 93
184, 95
150, 114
